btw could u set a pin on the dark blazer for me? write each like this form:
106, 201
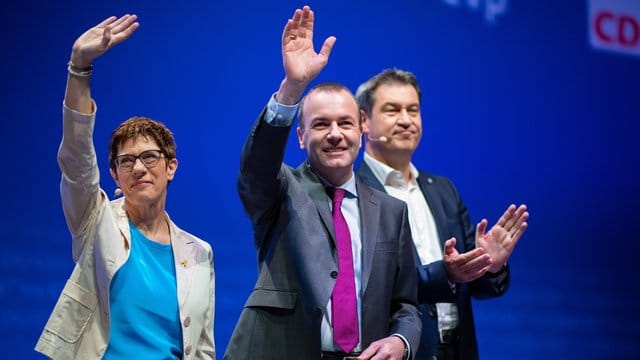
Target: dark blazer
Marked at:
297, 264
452, 219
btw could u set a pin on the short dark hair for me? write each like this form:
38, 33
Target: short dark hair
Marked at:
324, 87
145, 127
364, 94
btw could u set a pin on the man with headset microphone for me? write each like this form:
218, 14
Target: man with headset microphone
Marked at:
453, 270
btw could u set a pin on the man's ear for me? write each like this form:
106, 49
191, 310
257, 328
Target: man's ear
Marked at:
300, 133
364, 121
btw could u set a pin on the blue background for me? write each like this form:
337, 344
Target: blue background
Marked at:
522, 110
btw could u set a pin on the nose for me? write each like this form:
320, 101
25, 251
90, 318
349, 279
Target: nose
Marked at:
334, 134
404, 118
138, 166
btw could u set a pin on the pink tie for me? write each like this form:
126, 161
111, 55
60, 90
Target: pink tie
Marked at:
343, 299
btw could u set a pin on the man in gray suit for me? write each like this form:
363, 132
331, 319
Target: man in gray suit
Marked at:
298, 230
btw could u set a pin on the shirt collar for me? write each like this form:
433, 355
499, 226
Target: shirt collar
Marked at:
349, 186
388, 175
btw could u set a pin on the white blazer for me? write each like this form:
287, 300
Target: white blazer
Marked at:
79, 325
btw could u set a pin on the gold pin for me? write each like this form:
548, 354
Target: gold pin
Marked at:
184, 263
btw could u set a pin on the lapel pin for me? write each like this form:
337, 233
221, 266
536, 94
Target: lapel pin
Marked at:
184, 263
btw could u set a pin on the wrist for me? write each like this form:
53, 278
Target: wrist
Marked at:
497, 269
81, 71
407, 350
290, 92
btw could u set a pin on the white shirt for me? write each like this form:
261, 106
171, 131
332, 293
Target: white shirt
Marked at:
423, 227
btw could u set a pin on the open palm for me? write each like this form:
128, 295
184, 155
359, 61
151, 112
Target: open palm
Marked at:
100, 38
500, 241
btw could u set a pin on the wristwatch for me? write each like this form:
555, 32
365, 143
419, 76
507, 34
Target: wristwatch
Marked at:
406, 352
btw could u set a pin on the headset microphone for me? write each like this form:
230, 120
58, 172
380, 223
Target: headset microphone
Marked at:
383, 138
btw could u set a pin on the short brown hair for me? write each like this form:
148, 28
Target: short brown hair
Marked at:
145, 127
364, 94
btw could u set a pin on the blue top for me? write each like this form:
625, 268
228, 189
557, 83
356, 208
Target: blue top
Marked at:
145, 317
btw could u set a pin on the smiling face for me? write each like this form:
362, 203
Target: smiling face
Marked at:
395, 114
330, 133
143, 186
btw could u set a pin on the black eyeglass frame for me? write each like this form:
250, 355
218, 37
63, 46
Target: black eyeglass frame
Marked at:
149, 163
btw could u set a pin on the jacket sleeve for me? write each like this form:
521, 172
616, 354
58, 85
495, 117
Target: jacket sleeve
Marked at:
405, 318
261, 176
433, 283
489, 285
207, 348
80, 184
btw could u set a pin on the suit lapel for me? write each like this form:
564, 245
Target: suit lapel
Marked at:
370, 220
185, 258
122, 222
317, 193
434, 200
367, 176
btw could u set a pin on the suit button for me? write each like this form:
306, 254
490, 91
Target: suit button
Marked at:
187, 321
187, 350
318, 312
334, 274
432, 311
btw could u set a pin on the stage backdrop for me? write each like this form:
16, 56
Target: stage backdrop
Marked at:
525, 101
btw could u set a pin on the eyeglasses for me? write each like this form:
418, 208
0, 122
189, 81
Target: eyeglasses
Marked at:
149, 159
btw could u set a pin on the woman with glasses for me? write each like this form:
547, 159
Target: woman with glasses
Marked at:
141, 286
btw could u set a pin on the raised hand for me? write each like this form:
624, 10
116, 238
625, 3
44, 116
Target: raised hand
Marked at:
100, 38
500, 241
301, 63
462, 268
90, 45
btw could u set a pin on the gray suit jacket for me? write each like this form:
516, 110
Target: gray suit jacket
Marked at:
297, 264
452, 219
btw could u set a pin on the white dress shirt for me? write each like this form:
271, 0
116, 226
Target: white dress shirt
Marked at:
423, 226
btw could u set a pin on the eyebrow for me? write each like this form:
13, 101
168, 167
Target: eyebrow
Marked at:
394, 103
140, 152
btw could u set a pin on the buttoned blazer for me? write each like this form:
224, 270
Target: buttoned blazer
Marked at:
78, 327
295, 243
452, 220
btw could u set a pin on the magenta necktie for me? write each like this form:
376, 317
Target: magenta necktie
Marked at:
343, 300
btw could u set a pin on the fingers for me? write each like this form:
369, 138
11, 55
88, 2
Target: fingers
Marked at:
107, 21
520, 223
477, 254
123, 28
287, 33
370, 351
481, 228
124, 23
123, 20
506, 216
106, 37
449, 246
468, 266
295, 27
295, 22
307, 20
518, 233
327, 46
391, 347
